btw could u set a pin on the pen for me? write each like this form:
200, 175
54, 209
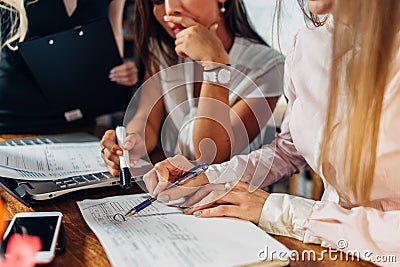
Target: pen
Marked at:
193, 172
125, 174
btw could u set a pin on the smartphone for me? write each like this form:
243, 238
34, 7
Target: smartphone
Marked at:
45, 225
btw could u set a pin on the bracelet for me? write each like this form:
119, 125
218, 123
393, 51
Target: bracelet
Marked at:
217, 68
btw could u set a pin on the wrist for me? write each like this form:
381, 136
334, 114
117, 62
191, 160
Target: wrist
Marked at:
215, 61
217, 73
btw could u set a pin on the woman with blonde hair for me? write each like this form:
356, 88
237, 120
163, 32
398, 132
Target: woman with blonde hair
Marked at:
24, 108
342, 81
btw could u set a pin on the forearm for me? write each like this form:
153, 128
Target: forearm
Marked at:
115, 15
213, 123
261, 167
145, 129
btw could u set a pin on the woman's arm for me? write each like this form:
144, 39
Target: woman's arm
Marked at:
142, 129
365, 232
116, 10
219, 129
272, 162
231, 129
126, 73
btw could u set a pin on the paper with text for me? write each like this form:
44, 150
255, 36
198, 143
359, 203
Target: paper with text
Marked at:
162, 236
49, 162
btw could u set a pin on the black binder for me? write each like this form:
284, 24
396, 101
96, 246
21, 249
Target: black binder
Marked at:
72, 69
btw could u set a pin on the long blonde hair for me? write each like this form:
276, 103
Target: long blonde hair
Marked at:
363, 47
15, 15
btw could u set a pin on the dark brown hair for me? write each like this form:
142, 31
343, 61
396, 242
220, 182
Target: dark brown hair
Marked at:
148, 31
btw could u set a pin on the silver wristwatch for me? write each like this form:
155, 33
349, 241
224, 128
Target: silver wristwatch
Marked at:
220, 75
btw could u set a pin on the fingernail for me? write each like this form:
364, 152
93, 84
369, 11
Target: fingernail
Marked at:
128, 145
112, 71
197, 213
165, 17
163, 198
156, 190
119, 153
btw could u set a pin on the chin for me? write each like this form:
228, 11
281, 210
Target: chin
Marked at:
320, 7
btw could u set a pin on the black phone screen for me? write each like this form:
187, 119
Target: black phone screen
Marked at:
43, 227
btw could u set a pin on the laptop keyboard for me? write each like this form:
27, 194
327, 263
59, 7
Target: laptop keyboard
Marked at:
82, 179
28, 142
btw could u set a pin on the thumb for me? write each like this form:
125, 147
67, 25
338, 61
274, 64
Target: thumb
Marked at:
213, 28
130, 141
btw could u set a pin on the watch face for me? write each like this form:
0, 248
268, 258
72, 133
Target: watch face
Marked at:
224, 76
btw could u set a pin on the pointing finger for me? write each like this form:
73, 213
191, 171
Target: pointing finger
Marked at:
184, 21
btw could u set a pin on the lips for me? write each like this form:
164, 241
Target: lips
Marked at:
177, 28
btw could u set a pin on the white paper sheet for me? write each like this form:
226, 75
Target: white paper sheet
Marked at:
49, 162
163, 236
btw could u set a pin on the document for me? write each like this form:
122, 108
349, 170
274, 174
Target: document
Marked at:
163, 236
50, 162
71, 74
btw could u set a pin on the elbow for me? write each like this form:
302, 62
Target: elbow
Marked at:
209, 151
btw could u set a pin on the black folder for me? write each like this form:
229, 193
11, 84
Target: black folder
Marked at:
72, 69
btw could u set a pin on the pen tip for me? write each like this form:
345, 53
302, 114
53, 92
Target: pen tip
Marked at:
130, 213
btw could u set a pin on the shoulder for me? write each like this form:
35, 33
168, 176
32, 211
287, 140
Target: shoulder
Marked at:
253, 56
313, 41
310, 48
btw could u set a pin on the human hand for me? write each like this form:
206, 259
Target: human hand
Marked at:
233, 200
168, 171
124, 74
111, 150
197, 41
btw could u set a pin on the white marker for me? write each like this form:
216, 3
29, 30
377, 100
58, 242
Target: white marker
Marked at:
125, 174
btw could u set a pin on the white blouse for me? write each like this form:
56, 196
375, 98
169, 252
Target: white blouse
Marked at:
373, 232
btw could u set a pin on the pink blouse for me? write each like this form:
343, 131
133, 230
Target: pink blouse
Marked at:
373, 232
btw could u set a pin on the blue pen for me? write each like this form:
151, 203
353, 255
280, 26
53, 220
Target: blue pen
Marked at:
193, 172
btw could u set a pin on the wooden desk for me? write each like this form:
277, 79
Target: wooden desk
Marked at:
82, 246
84, 249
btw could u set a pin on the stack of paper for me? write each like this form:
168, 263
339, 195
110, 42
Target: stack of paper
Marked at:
163, 236
50, 161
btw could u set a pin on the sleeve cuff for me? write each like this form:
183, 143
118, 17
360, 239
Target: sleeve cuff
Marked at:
286, 215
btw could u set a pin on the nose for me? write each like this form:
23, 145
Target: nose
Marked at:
173, 7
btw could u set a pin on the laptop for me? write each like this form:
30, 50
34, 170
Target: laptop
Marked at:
29, 192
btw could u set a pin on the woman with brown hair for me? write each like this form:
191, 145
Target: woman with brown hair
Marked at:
342, 82
208, 114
